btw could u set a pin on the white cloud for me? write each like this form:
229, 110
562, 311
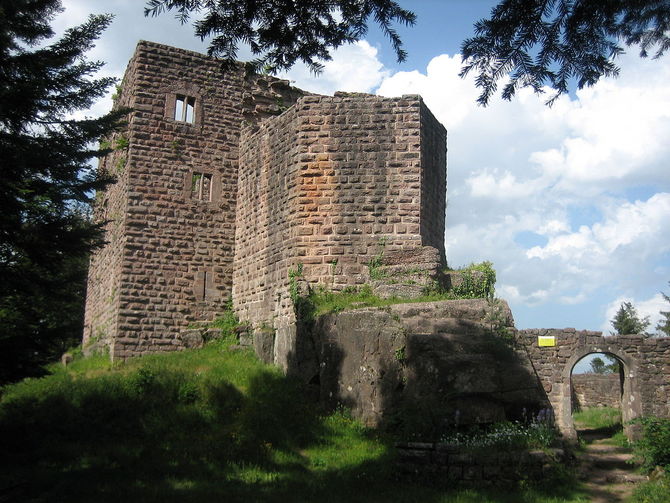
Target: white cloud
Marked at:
640, 226
449, 97
553, 227
562, 172
354, 67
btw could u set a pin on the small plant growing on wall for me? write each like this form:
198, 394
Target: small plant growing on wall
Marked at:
121, 164
121, 143
374, 266
294, 290
177, 148
117, 92
400, 355
477, 282
497, 320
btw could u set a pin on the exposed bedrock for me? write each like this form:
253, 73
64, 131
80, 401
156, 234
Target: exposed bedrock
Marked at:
424, 367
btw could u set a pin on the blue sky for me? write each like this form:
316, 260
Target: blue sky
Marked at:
570, 203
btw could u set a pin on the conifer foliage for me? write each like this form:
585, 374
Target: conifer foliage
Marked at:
663, 325
556, 42
626, 321
282, 32
46, 181
534, 43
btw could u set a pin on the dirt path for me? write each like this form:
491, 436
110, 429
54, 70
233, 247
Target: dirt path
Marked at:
604, 469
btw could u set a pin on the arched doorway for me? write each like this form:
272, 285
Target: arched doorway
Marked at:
596, 393
630, 396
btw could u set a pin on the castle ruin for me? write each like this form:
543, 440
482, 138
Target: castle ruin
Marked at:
228, 180
232, 184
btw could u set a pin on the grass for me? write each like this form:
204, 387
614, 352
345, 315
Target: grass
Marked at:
653, 491
323, 302
213, 424
598, 418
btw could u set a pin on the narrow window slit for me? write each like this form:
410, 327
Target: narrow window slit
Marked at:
201, 186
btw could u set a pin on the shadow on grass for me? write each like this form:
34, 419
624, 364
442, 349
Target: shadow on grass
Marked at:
173, 436
591, 434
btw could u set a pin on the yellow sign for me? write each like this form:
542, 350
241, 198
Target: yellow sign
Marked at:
546, 340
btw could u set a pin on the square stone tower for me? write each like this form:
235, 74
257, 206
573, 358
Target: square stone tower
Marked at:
170, 229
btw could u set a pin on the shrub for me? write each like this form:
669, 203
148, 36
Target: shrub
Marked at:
653, 449
478, 282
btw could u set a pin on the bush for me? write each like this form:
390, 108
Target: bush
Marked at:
653, 449
478, 282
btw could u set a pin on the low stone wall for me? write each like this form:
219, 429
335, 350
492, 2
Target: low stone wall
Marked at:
450, 462
596, 390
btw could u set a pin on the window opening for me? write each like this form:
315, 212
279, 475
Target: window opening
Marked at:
201, 186
184, 109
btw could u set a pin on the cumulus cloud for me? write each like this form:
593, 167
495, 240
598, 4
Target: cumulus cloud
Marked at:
449, 97
632, 229
562, 172
354, 68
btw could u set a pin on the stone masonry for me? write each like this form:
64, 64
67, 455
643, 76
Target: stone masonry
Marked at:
329, 183
236, 187
227, 180
596, 390
645, 387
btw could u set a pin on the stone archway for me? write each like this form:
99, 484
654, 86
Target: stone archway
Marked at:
645, 362
630, 398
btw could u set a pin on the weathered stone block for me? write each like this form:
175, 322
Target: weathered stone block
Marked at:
263, 341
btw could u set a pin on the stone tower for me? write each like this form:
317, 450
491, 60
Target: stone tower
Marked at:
227, 180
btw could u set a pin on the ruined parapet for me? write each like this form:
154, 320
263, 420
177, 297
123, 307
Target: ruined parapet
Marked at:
407, 274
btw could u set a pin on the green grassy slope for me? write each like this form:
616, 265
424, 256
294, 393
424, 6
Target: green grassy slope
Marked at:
204, 425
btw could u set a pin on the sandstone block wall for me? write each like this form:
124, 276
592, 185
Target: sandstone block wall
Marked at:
266, 227
169, 259
106, 264
433, 182
596, 390
646, 370
328, 186
422, 368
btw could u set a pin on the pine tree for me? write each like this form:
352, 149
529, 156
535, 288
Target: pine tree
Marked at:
663, 325
536, 43
598, 365
627, 321
541, 43
47, 180
280, 33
